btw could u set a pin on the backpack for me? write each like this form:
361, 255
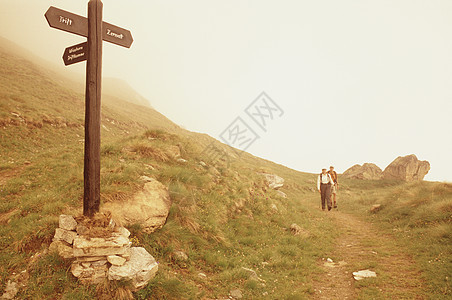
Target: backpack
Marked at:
327, 175
334, 178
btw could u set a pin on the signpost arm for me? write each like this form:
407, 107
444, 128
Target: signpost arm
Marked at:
91, 196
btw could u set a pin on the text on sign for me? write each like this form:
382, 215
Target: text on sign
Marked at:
66, 20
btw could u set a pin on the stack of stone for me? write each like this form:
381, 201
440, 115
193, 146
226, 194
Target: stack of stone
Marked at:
109, 256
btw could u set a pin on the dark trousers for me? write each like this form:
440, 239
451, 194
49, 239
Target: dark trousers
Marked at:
325, 190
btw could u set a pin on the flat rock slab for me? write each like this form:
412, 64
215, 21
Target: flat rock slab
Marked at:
100, 246
331, 264
63, 249
91, 273
116, 260
364, 274
67, 222
139, 269
64, 235
235, 294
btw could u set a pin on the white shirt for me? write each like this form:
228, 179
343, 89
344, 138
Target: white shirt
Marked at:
324, 178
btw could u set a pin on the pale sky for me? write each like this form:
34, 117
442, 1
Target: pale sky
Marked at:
358, 81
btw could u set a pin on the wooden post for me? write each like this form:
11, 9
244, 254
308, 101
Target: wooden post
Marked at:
95, 30
91, 196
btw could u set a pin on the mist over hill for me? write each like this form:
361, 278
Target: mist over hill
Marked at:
35, 90
68, 78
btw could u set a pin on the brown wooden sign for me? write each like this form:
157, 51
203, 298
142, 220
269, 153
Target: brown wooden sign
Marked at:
96, 31
67, 21
116, 35
75, 54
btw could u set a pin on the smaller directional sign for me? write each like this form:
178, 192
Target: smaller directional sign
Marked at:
75, 54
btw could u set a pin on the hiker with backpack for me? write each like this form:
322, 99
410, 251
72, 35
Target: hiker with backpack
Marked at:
334, 187
324, 183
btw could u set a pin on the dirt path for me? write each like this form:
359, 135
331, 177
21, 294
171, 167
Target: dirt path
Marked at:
361, 246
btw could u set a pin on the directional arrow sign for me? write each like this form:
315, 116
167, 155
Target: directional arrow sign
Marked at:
116, 35
67, 21
75, 54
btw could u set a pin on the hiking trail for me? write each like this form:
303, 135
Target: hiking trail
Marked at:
360, 245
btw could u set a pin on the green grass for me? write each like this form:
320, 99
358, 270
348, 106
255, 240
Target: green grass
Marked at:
228, 226
420, 216
221, 217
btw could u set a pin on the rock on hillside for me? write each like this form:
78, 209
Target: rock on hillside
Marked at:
407, 168
273, 180
149, 207
367, 171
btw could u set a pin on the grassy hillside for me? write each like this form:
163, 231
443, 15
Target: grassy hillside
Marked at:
221, 217
223, 214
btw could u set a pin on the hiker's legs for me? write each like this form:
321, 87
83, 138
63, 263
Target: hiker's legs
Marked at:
333, 195
323, 190
328, 196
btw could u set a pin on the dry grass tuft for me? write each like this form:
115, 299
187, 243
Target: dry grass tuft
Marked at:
5, 217
98, 226
149, 151
115, 197
159, 134
113, 290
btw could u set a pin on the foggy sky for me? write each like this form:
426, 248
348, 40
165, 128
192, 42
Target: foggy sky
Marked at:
357, 81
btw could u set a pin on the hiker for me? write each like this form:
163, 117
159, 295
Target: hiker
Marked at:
334, 187
324, 183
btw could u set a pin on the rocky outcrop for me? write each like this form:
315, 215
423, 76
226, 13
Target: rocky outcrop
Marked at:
375, 208
180, 256
11, 290
235, 294
281, 194
252, 275
367, 171
407, 168
149, 207
297, 230
102, 252
273, 181
274, 208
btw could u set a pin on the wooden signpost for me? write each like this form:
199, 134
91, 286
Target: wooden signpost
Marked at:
96, 31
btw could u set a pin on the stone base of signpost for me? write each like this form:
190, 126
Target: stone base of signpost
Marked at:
101, 251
